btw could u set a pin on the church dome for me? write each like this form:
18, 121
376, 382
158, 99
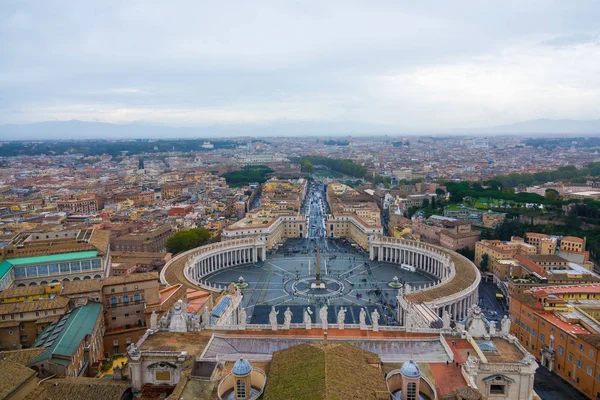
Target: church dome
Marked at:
241, 367
410, 370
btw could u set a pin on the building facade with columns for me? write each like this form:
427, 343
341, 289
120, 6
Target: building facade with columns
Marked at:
454, 293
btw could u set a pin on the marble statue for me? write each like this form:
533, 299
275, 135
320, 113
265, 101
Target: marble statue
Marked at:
133, 351
154, 321
205, 317
492, 328
308, 318
179, 318
363, 319
242, 317
287, 318
446, 319
273, 318
341, 317
375, 319
194, 323
505, 324
163, 323
323, 315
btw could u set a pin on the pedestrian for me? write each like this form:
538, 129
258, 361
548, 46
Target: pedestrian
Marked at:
468, 354
446, 363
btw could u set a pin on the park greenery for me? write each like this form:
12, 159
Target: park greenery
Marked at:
248, 174
568, 173
343, 166
187, 240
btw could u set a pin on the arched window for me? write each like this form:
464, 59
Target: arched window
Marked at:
240, 389
136, 297
125, 299
411, 391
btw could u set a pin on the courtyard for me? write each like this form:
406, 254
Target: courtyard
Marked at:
352, 282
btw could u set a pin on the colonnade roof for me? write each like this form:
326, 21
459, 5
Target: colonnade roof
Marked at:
466, 275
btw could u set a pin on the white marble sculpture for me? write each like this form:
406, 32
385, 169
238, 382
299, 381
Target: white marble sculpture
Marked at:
154, 321
242, 318
287, 318
179, 319
492, 328
273, 318
363, 319
375, 319
308, 318
446, 319
323, 315
505, 325
341, 317
205, 317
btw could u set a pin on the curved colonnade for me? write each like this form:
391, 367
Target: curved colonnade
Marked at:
455, 292
202, 261
458, 278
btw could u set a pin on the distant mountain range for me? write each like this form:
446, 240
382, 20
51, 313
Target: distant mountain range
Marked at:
75, 129
540, 126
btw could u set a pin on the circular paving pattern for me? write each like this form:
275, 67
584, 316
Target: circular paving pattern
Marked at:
334, 287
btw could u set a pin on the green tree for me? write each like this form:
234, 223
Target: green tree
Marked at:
307, 166
187, 240
440, 192
485, 262
552, 194
433, 204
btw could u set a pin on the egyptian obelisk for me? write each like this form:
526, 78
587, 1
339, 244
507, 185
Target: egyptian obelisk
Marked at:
317, 284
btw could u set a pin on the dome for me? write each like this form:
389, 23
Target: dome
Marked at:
410, 370
241, 367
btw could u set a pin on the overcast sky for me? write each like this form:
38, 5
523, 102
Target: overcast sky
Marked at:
418, 65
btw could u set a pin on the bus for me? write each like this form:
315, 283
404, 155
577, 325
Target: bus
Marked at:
409, 268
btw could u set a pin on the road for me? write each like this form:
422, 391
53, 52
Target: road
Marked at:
493, 308
550, 386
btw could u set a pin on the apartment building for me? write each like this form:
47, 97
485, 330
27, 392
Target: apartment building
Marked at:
560, 326
124, 300
151, 240
22, 322
497, 249
73, 343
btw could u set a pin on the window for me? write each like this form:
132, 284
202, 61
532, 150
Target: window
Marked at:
125, 300
497, 389
124, 288
113, 301
22, 326
411, 391
579, 363
591, 353
542, 337
112, 290
137, 297
570, 356
20, 315
534, 333
580, 346
128, 340
560, 350
572, 342
589, 370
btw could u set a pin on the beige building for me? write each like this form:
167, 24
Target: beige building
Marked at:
22, 322
125, 300
153, 240
497, 249
272, 228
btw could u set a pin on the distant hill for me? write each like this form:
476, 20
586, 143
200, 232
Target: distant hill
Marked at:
539, 126
75, 129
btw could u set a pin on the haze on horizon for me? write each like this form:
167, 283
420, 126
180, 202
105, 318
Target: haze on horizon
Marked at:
423, 67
